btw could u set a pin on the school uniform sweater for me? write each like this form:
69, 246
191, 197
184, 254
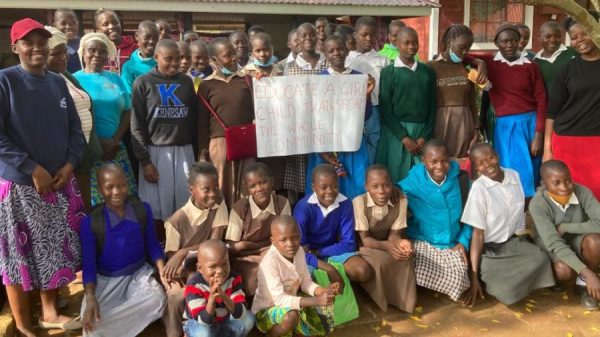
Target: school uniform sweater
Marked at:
125, 246
575, 99
435, 209
517, 89
136, 67
407, 96
331, 234
231, 99
164, 112
582, 217
550, 69
39, 125
73, 62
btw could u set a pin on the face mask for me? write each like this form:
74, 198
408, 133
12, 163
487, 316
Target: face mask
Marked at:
561, 199
269, 63
224, 70
454, 58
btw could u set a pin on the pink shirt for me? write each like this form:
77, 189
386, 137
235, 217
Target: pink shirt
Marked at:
279, 281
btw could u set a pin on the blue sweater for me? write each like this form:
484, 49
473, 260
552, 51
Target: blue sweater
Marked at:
435, 210
136, 67
125, 248
39, 125
332, 235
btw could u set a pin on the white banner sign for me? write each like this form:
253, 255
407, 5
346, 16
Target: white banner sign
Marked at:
309, 113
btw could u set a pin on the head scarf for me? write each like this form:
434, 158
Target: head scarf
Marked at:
57, 38
110, 46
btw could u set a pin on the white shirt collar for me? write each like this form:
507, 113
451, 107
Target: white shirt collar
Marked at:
509, 179
399, 64
433, 181
371, 203
553, 57
256, 211
331, 71
572, 201
302, 63
326, 210
290, 58
522, 59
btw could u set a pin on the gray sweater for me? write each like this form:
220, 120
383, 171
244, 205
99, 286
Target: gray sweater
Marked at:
580, 218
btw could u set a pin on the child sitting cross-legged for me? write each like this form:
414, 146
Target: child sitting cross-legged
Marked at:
282, 273
249, 223
214, 299
203, 217
326, 222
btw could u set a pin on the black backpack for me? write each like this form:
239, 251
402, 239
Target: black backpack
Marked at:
98, 220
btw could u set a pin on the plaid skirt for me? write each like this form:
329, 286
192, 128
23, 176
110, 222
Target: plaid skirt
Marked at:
295, 173
442, 270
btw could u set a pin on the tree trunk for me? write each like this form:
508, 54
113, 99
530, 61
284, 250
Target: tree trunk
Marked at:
579, 13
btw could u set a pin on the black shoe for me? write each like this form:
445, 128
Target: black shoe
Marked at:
587, 301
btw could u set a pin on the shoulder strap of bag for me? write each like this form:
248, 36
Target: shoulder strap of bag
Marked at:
213, 112
98, 220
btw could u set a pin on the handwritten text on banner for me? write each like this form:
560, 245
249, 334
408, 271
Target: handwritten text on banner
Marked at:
309, 113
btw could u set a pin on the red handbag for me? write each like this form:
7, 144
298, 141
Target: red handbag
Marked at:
240, 139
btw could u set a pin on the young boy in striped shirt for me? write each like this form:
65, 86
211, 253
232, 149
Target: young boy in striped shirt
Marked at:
214, 299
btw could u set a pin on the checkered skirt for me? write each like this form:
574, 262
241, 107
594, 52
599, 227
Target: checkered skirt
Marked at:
442, 270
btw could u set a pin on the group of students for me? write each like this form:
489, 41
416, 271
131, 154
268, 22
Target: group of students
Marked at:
147, 118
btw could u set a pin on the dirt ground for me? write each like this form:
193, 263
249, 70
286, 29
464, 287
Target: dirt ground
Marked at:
543, 314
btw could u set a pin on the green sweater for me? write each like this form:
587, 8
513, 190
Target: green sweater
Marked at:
549, 70
407, 96
582, 218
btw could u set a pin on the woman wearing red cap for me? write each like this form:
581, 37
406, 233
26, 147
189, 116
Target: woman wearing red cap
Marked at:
41, 141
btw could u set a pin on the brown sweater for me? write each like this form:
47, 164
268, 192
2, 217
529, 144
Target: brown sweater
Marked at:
453, 86
231, 99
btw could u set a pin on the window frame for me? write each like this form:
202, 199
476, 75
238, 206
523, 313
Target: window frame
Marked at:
528, 16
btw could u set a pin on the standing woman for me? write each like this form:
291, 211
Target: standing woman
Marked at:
229, 93
456, 122
40, 204
111, 105
573, 124
57, 62
108, 22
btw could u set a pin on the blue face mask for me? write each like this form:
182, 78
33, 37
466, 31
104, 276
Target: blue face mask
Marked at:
226, 71
269, 63
455, 58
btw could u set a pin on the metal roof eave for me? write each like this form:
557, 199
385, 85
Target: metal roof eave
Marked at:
222, 7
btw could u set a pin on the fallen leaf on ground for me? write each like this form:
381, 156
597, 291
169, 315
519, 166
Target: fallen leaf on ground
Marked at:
531, 305
422, 326
419, 309
528, 310
595, 329
518, 314
569, 334
587, 312
376, 328
496, 321
383, 322
415, 318
565, 296
532, 301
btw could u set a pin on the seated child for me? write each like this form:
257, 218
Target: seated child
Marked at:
350, 166
142, 59
437, 190
326, 222
250, 219
202, 218
567, 220
215, 304
509, 265
280, 309
380, 224
185, 60
117, 240
200, 64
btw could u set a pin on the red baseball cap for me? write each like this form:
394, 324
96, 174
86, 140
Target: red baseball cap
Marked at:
23, 27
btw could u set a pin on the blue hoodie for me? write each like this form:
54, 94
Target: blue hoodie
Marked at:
136, 67
436, 210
